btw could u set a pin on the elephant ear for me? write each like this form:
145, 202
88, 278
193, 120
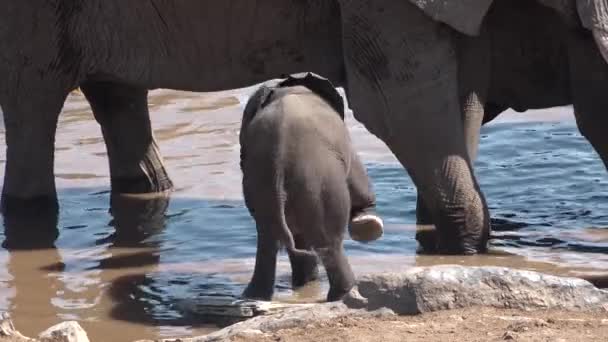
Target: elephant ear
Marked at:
257, 100
594, 16
318, 85
465, 16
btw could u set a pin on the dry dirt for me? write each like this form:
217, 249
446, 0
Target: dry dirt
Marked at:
477, 324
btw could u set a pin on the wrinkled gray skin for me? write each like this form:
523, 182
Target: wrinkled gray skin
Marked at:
416, 77
301, 182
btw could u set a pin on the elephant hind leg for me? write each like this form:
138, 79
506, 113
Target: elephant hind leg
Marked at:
329, 242
304, 269
136, 165
31, 112
262, 282
589, 84
340, 274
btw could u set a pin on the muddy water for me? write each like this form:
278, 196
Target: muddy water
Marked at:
123, 276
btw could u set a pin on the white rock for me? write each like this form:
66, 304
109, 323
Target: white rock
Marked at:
425, 289
7, 329
69, 331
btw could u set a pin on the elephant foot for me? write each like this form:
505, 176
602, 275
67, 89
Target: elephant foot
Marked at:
336, 294
426, 235
430, 241
304, 270
339, 272
258, 293
366, 227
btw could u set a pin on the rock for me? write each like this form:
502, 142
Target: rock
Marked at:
6, 325
425, 289
69, 331
206, 306
298, 316
250, 333
8, 331
508, 335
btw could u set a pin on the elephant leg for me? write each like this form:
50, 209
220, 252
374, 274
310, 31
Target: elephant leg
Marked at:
304, 269
136, 165
403, 86
365, 225
473, 112
30, 119
473, 83
589, 77
339, 273
261, 285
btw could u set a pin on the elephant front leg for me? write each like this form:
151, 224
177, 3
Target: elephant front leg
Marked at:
589, 77
136, 165
473, 83
403, 86
472, 114
365, 224
30, 119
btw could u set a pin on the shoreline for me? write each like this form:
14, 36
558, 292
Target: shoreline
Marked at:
428, 304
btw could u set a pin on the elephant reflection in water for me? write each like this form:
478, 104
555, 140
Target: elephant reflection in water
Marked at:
42, 287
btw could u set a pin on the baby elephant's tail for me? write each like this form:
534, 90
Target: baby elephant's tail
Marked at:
287, 239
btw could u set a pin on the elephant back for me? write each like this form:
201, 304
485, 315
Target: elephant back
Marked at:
318, 85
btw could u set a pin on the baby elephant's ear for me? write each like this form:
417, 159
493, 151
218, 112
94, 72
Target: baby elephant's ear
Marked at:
258, 100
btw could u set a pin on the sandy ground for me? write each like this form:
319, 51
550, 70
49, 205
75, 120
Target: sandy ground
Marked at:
476, 324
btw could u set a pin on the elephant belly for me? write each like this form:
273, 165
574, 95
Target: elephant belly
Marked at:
529, 56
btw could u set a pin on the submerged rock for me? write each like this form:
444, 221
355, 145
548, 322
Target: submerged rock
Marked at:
435, 288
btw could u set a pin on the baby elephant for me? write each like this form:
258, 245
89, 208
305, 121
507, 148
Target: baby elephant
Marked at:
303, 183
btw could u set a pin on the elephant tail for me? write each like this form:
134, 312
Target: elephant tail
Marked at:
285, 232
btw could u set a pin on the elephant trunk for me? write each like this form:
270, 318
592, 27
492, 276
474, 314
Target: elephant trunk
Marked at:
594, 16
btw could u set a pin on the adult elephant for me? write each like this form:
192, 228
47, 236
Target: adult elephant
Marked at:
414, 72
